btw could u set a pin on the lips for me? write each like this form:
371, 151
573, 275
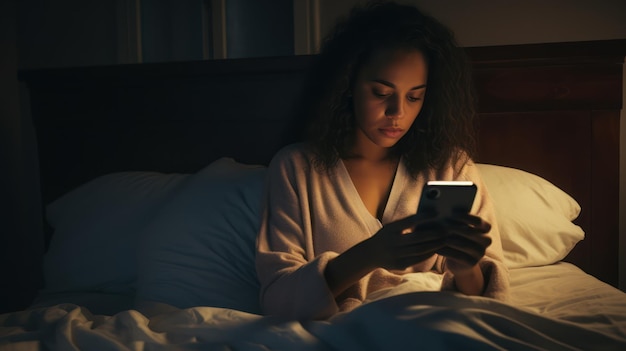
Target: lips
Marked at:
392, 132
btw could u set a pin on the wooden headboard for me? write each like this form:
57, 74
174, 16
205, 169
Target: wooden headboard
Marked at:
551, 109
554, 110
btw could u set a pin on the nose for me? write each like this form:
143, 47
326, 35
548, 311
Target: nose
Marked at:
395, 107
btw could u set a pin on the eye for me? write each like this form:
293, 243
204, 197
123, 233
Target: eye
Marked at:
380, 94
413, 98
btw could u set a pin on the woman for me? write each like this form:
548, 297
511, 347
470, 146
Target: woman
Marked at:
390, 106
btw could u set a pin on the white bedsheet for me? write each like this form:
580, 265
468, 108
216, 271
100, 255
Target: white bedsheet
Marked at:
556, 307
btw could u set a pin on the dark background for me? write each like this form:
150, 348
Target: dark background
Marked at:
37, 34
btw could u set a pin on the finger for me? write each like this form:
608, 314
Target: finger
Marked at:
453, 225
466, 232
470, 220
411, 222
474, 246
421, 249
423, 234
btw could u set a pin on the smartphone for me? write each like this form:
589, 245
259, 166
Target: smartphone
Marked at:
447, 197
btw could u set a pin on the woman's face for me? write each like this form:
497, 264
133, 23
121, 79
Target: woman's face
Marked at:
388, 94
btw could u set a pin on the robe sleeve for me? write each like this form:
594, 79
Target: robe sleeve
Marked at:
292, 280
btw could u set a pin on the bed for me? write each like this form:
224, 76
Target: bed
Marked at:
151, 178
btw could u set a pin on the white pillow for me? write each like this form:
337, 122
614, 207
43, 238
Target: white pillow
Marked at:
534, 216
96, 229
200, 250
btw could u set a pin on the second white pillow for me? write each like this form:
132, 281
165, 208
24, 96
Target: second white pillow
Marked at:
534, 216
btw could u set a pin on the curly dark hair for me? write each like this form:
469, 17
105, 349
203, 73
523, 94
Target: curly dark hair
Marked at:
446, 124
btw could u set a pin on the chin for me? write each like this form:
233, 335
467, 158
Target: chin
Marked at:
387, 144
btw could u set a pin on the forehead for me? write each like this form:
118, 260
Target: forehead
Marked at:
395, 65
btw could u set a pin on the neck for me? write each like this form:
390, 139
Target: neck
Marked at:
365, 150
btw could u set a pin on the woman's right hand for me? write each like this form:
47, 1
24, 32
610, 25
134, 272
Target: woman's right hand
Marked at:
395, 246
406, 242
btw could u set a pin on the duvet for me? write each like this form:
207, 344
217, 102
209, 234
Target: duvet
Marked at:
556, 307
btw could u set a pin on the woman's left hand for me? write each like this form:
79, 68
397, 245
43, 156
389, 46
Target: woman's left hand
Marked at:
466, 242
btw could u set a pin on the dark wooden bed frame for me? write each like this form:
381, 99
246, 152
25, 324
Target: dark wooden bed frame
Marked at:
550, 109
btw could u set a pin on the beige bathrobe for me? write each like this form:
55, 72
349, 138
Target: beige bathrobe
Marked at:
310, 217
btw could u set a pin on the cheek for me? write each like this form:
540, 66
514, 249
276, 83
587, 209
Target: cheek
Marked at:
415, 110
366, 109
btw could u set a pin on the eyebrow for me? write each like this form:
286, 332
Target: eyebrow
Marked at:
391, 85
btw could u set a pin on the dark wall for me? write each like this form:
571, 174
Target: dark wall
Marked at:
19, 213
67, 33
254, 29
171, 30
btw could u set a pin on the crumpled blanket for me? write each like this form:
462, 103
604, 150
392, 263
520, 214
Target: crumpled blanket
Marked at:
399, 321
